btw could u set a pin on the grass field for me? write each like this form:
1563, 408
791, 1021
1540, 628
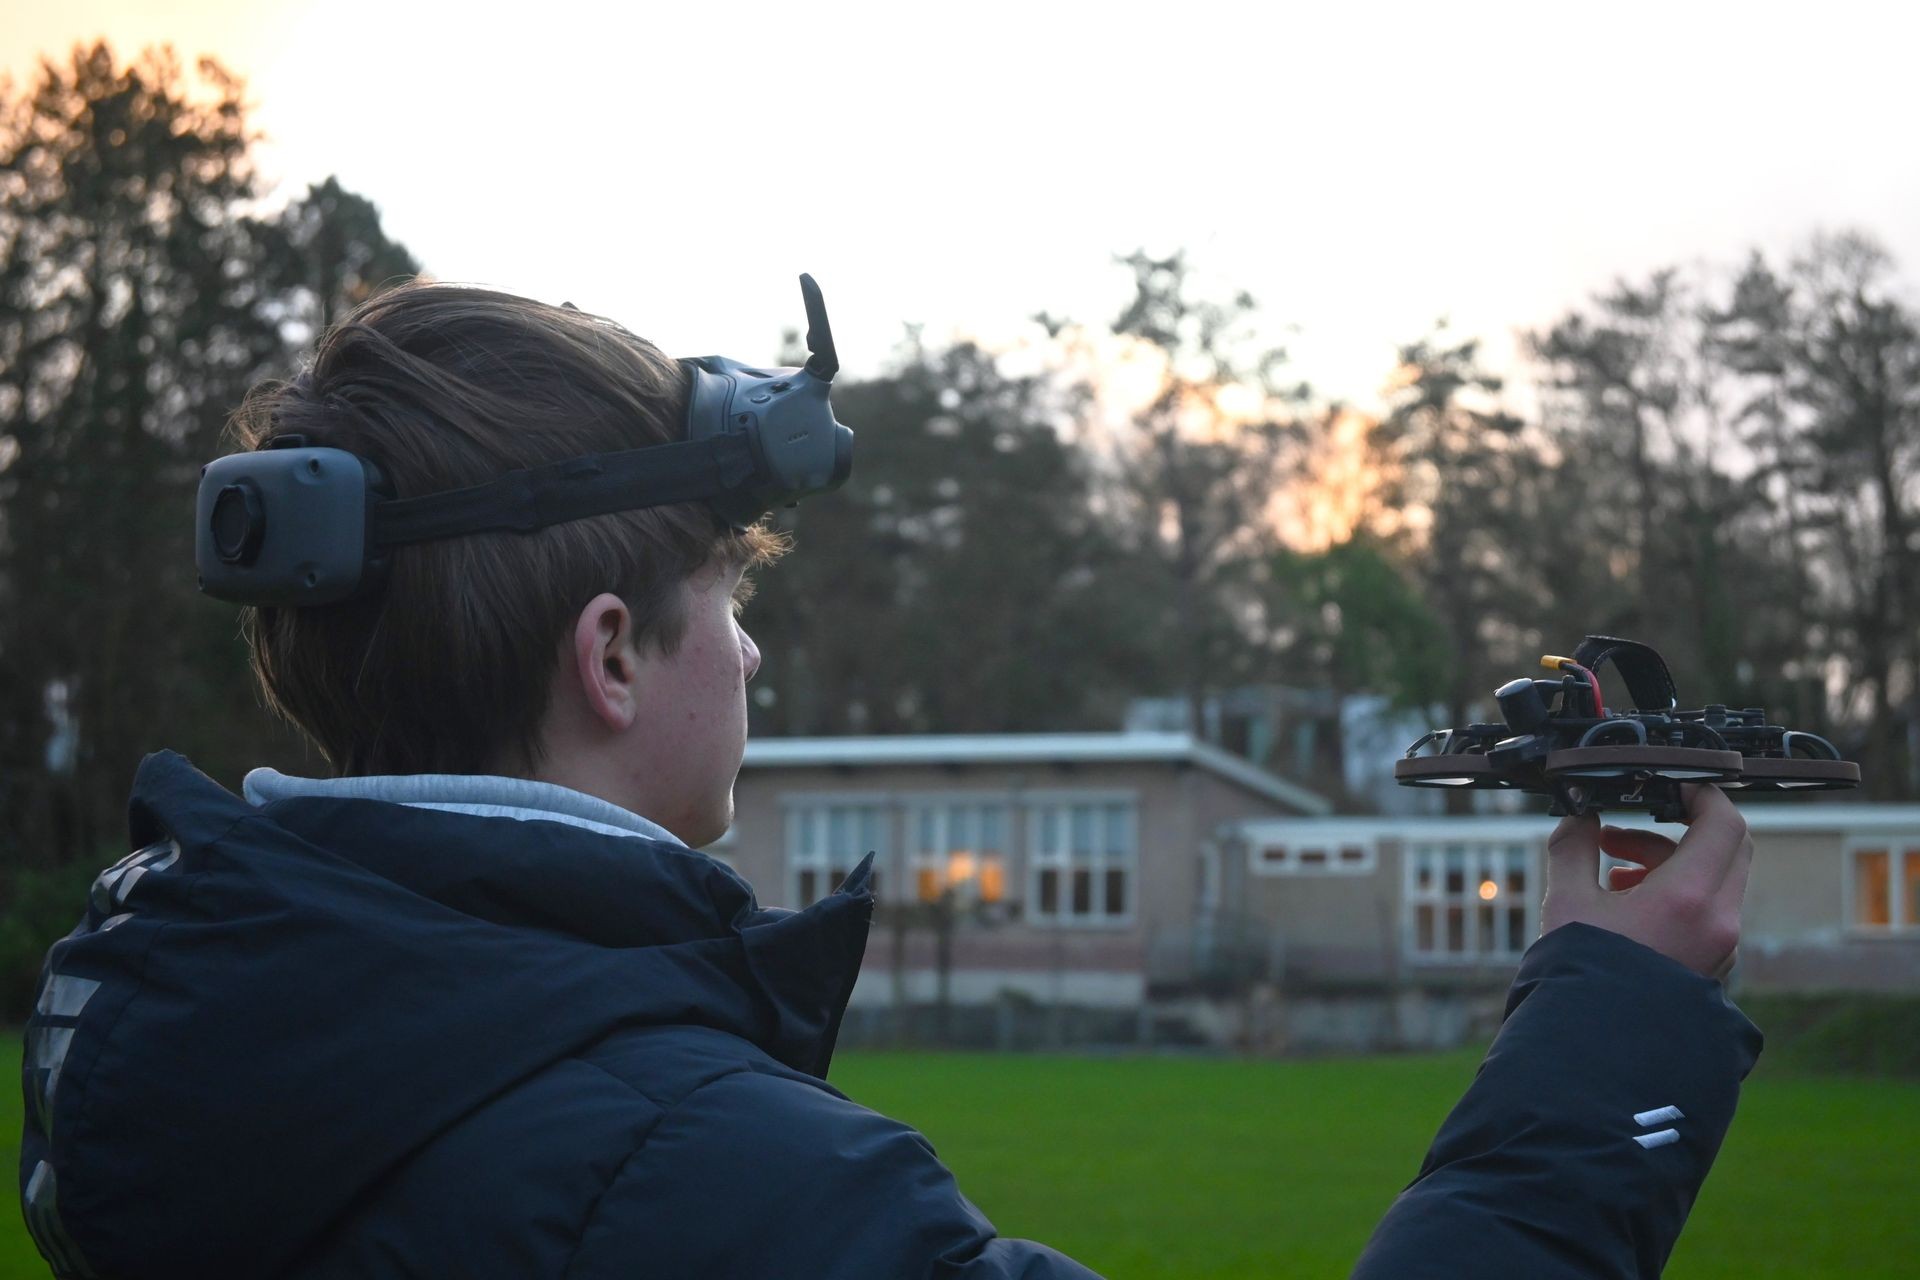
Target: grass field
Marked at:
1207, 1169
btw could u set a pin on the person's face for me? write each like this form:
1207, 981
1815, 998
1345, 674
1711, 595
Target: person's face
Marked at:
691, 730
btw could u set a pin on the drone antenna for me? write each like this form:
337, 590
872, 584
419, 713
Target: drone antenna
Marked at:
822, 361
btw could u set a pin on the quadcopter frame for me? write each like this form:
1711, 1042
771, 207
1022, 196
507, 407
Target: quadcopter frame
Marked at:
1559, 740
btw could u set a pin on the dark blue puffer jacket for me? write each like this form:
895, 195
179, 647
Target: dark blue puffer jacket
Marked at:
348, 1038
340, 1037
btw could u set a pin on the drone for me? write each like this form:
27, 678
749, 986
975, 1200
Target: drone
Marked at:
1560, 740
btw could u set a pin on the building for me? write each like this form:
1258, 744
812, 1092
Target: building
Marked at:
1833, 902
1063, 860
1151, 875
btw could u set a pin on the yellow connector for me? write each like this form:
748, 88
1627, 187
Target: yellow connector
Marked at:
1553, 662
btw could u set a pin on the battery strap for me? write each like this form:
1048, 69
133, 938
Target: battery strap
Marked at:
1644, 670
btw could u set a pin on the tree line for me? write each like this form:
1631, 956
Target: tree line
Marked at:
1723, 461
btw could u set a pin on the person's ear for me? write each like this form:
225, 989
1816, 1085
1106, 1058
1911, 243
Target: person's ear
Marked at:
605, 661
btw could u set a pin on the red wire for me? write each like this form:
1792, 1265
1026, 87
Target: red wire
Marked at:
1593, 681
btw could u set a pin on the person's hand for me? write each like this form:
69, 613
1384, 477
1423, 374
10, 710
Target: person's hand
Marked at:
1683, 900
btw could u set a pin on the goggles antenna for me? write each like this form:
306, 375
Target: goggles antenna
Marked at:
822, 361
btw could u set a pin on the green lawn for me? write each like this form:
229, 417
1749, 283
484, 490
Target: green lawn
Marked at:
1223, 1168
1198, 1169
18, 1257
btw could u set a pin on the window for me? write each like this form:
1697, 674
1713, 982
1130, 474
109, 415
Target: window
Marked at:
1081, 862
958, 845
1469, 901
1309, 857
826, 840
1885, 887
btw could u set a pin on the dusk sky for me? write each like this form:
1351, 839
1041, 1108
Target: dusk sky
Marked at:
1361, 169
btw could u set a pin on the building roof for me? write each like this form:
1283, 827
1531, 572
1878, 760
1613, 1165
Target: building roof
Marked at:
1029, 748
1851, 818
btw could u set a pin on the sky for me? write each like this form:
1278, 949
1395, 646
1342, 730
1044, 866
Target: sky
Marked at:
1361, 169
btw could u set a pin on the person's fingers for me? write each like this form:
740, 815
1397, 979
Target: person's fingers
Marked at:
1620, 879
1733, 889
1648, 848
1716, 845
1573, 859
1708, 806
1715, 835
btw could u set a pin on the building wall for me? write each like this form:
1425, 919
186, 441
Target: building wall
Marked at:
1335, 926
1800, 929
1198, 883
1087, 962
1795, 893
1347, 923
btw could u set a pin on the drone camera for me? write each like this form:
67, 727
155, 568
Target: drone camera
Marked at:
1523, 702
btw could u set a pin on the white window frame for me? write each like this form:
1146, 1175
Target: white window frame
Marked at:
1291, 861
1480, 856
1896, 847
1104, 858
808, 843
928, 841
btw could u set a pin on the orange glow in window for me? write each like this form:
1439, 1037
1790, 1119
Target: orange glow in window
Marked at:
993, 881
1873, 889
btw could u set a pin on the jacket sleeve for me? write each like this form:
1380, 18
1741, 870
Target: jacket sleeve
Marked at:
760, 1174
1581, 1145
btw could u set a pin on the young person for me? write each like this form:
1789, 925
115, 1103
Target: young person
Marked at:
476, 1006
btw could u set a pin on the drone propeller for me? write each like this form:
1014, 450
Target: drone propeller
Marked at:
1455, 758
1676, 764
1807, 762
1469, 770
1762, 774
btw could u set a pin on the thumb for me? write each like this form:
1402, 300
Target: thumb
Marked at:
1573, 866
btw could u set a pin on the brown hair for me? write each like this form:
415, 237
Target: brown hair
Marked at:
448, 668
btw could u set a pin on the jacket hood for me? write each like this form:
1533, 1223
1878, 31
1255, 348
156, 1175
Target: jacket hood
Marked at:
266, 1009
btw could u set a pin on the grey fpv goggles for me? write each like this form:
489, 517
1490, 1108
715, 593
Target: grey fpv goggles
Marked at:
292, 525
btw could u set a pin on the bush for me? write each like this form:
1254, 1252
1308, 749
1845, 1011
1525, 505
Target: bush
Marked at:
41, 907
1858, 1034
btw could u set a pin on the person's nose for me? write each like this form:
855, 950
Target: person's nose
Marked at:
749, 654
